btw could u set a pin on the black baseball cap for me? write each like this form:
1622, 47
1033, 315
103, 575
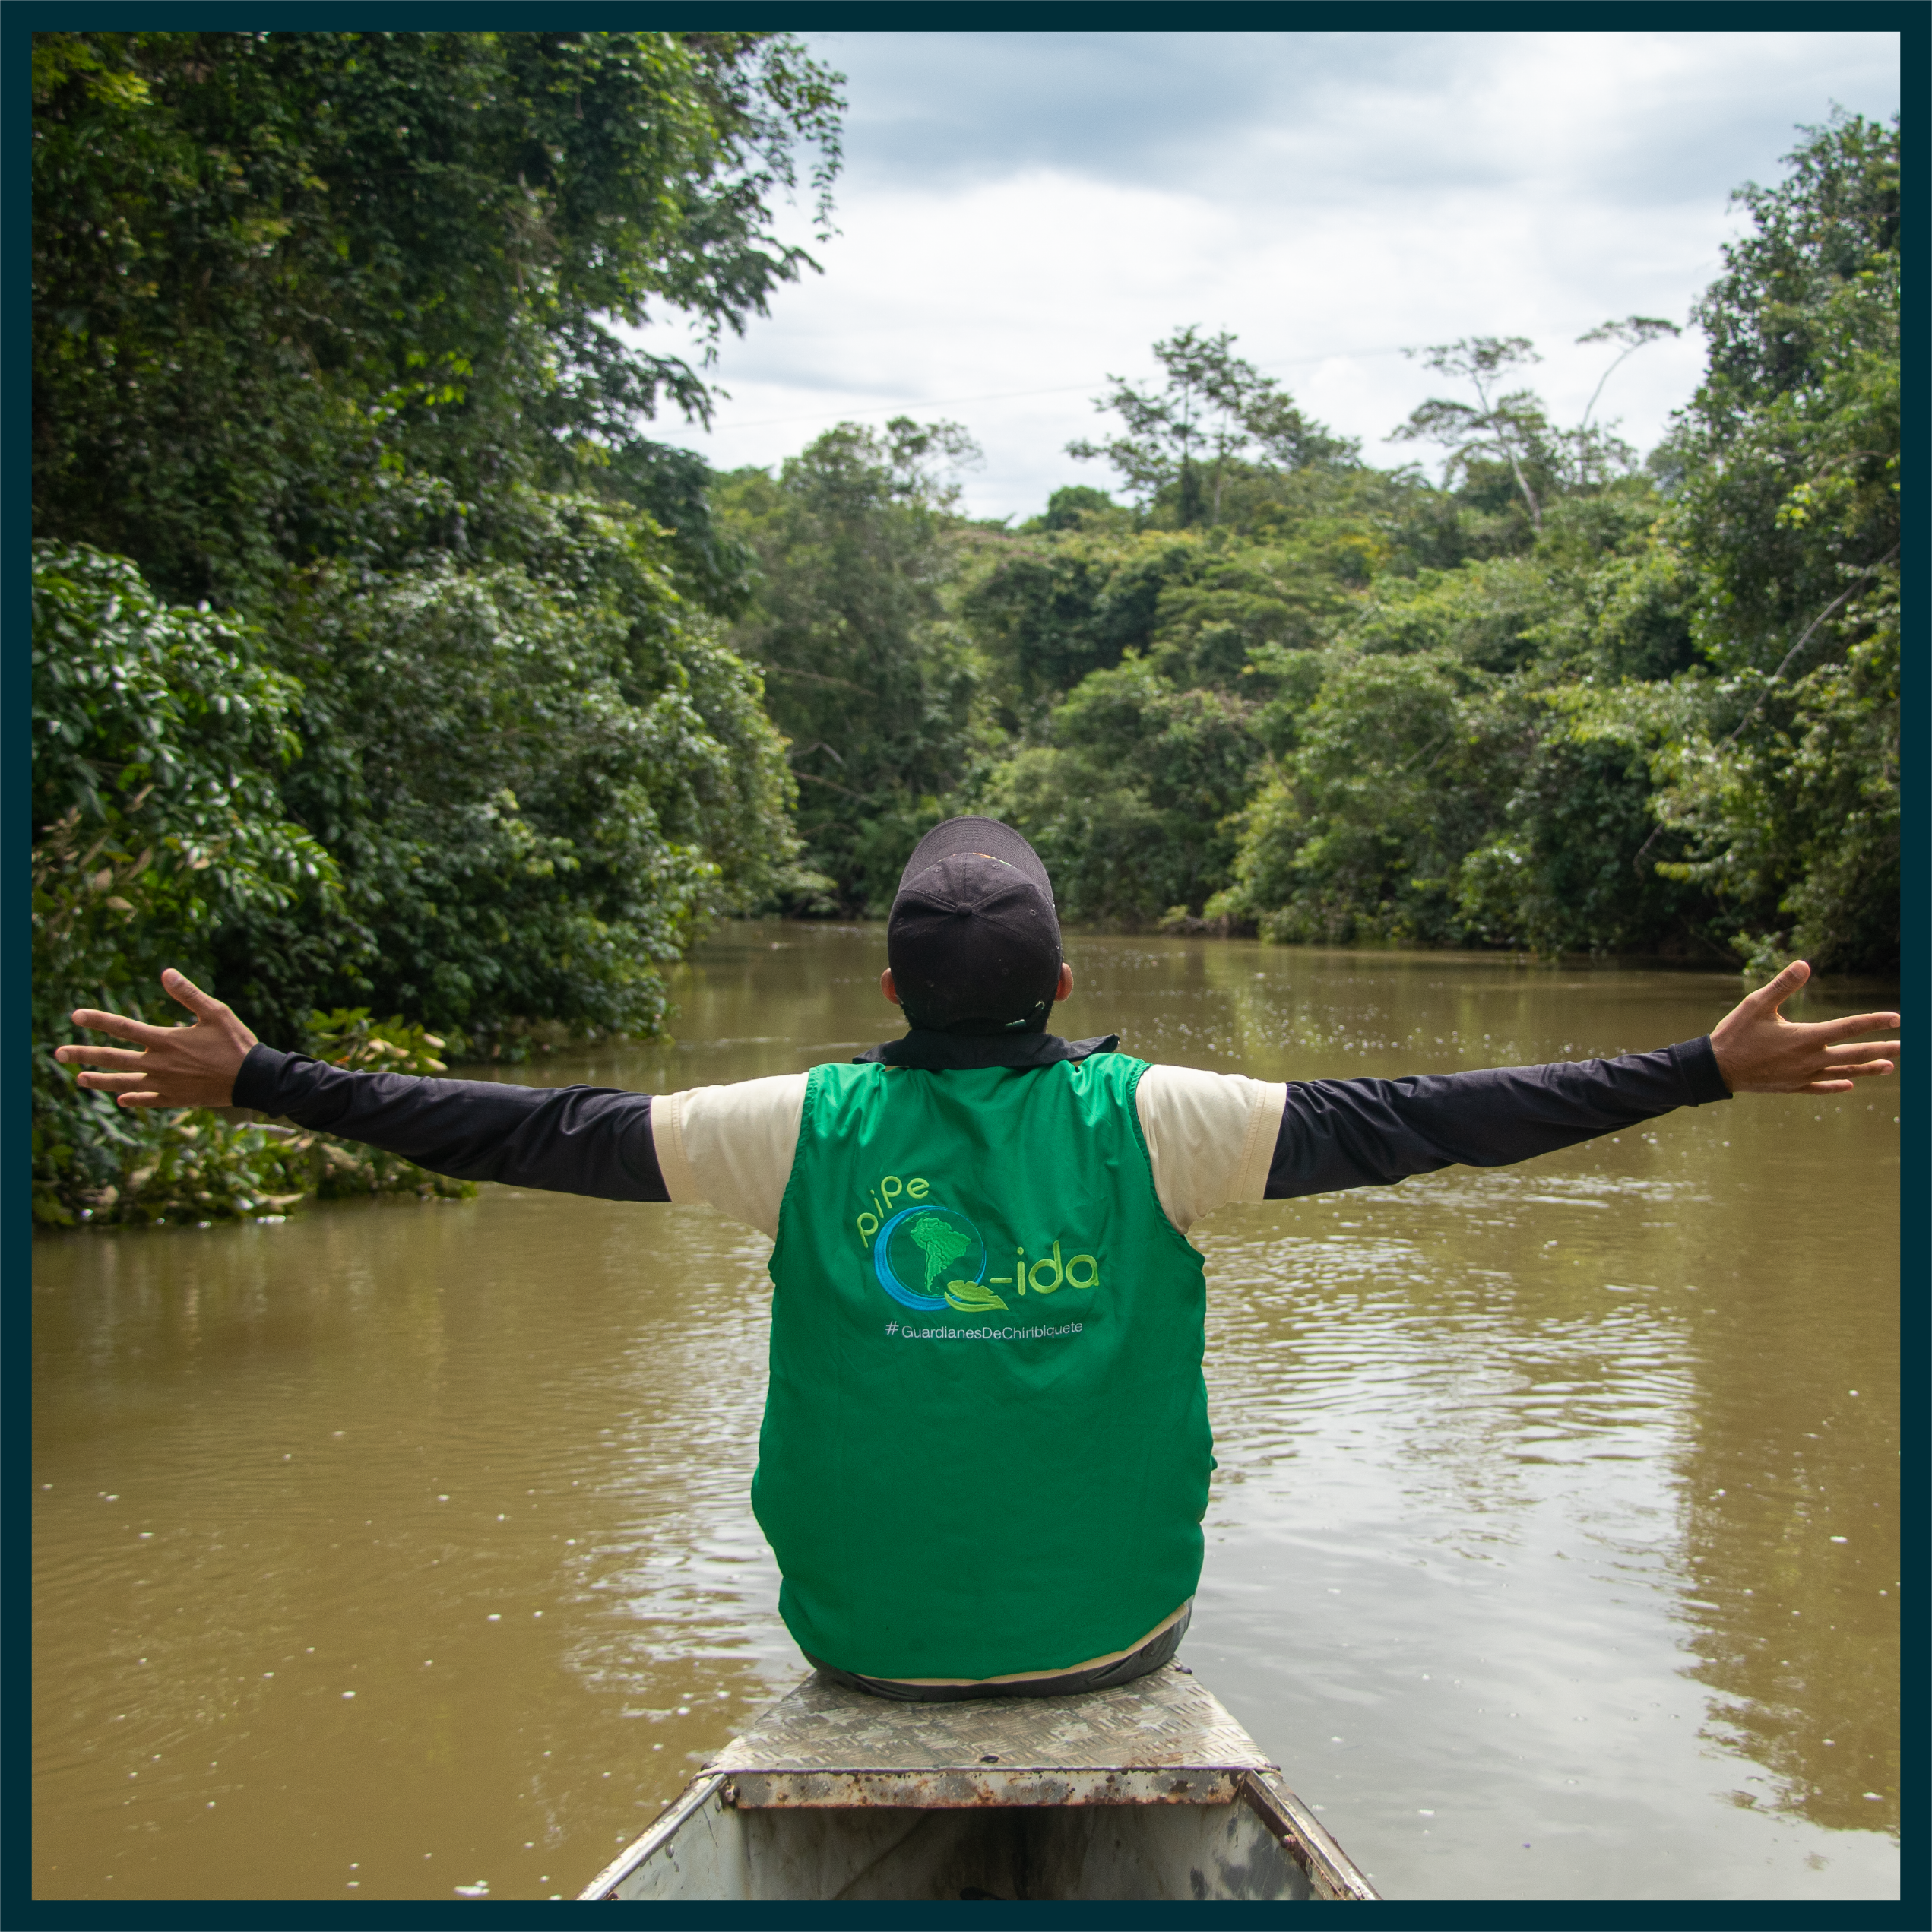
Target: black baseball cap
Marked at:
973, 941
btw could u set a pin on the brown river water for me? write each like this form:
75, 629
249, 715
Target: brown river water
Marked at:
403, 1550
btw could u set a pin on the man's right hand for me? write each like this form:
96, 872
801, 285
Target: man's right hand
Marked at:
193, 1065
1759, 1051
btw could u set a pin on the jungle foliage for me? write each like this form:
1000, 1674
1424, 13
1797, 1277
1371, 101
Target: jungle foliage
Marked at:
385, 664
379, 651
857, 540
1557, 699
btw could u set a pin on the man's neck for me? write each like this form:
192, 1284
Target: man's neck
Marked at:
945, 1052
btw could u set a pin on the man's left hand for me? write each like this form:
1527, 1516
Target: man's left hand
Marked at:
165, 1065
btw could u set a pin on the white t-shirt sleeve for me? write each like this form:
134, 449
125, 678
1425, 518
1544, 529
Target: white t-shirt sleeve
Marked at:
731, 1147
1210, 1137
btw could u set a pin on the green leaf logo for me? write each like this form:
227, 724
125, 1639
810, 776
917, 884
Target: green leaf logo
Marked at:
973, 1297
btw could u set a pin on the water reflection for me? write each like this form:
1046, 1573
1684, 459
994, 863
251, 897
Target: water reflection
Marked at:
403, 1550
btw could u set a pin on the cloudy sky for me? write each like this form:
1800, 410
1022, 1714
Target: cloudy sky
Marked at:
1023, 214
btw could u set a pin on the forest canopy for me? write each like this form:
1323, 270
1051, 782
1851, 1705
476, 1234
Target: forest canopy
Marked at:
340, 427
393, 673
1554, 697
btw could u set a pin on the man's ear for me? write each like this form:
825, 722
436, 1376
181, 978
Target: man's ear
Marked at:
1065, 986
892, 992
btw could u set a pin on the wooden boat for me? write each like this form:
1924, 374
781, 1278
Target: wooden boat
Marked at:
1149, 1790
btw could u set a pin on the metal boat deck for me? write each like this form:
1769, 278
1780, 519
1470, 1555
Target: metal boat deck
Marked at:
1148, 1790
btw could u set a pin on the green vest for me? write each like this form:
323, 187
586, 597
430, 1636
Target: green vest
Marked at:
985, 1445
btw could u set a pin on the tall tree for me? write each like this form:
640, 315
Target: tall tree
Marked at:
336, 331
1507, 425
1634, 332
1787, 500
339, 334
1511, 429
1216, 410
863, 671
303, 295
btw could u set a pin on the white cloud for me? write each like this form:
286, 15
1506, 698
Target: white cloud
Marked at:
1027, 214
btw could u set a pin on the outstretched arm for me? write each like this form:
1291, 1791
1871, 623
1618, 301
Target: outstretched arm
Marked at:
1337, 1134
574, 1140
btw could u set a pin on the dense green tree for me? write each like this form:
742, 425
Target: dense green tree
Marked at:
1541, 809
1687, 716
1128, 801
1079, 506
332, 330
1401, 762
1559, 702
1044, 613
864, 672
279, 279
1784, 770
539, 775
159, 735
337, 336
1556, 872
1045, 608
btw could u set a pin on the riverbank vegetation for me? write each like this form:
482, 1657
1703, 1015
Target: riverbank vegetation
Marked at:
379, 650
386, 664
1556, 698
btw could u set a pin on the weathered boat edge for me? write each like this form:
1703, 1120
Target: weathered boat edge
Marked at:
688, 1802
950, 1788
1302, 1836
1162, 1744
1329, 1872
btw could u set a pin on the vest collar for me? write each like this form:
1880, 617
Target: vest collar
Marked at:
941, 1052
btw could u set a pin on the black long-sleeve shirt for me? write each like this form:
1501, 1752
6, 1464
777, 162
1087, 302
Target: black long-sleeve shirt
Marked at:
1333, 1134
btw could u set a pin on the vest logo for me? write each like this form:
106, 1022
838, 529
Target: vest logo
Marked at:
925, 1247
929, 1256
